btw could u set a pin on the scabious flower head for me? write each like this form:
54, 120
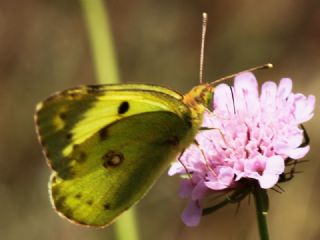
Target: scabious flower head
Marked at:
250, 137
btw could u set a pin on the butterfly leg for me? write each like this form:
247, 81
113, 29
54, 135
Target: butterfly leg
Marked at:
204, 156
183, 165
213, 128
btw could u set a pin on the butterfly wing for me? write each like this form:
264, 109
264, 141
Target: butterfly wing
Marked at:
68, 118
107, 145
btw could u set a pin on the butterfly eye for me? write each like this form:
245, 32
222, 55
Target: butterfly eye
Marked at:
198, 99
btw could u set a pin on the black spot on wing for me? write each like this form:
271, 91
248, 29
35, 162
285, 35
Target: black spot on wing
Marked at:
68, 213
59, 203
103, 133
69, 136
123, 107
75, 95
67, 173
63, 116
112, 159
94, 87
55, 190
42, 142
107, 206
75, 147
81, 158
54, 179
46, 153
78, 196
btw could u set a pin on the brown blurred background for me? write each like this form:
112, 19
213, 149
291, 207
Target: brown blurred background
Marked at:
44, 48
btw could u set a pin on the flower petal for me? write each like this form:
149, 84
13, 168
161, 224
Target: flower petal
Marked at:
274, 165
186, 188
304, 108
268, 96
285, 88
192, 214
299, 152
175, 168
268, 180
220, 180
246, 83
199, 191
292, 152
246, 94
222, 99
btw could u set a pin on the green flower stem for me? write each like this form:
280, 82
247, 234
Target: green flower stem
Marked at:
100, 38
261, 201
97, 22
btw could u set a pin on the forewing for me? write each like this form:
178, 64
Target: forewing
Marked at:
67, 119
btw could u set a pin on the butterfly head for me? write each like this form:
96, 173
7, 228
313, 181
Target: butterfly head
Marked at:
199, 97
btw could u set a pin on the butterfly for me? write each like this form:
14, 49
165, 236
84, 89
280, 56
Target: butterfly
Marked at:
107, 144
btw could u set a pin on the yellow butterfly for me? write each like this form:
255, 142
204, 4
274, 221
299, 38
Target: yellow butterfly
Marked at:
107, 144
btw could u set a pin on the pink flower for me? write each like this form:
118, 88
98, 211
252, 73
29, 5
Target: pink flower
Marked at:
252, 136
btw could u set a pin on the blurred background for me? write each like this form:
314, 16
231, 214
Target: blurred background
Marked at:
44, 48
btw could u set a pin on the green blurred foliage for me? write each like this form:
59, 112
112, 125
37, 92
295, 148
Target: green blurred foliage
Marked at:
44, 48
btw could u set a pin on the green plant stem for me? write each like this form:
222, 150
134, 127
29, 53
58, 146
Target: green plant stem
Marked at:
261, 201
126, 227
100, 38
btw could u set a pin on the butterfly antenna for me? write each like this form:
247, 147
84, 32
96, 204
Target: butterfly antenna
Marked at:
264, 66
203, 37
234, 106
